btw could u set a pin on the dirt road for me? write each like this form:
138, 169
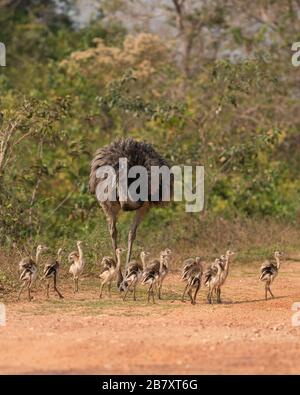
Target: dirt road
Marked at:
84, 335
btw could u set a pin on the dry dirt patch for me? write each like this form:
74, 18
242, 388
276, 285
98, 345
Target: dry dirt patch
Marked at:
84, 335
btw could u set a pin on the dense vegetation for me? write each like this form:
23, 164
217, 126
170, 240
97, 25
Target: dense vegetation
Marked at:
216, 89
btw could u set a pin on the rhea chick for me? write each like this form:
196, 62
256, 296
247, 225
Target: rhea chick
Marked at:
192, 273
151, 274
51, 270
29, 268
110, 270
77, 264
269, 271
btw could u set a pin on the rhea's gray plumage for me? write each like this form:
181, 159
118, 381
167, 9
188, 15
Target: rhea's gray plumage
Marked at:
29, 267
51, 271
269, 271
216, 275
150, 277
152, 272
192, 273
26, 263
210, 273
137, 153
211, 277
132, 276
110, 268
187, 264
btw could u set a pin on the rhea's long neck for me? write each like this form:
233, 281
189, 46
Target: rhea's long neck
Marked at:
59, 257
80, 260
118, 261
37, 257
162, 261
277, 262
80, 252
143, 259
227, 263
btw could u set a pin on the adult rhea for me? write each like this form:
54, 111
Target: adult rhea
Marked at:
137, 153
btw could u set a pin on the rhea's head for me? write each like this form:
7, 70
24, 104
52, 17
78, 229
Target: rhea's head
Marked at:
229, 253
278, 254
144, 254
198, 259
119, 251
60, 252
41, 248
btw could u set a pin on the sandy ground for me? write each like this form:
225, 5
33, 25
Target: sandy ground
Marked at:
83, 335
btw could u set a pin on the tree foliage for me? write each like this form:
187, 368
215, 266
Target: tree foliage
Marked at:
216, 89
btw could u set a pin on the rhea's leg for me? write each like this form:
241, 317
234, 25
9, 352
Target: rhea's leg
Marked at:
189, 292
160, 287
29, 289
266, 291
109, 289
141, 212
111, 211
213, 291
149, 291
218, 295
209, 298
113, 234
55, 286
269, 289
21, 289
47, 289
125, 294
159, 290
196, 291
184, 291
153, 297
74, 281
101, 289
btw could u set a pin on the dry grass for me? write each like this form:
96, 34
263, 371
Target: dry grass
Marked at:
253, 240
